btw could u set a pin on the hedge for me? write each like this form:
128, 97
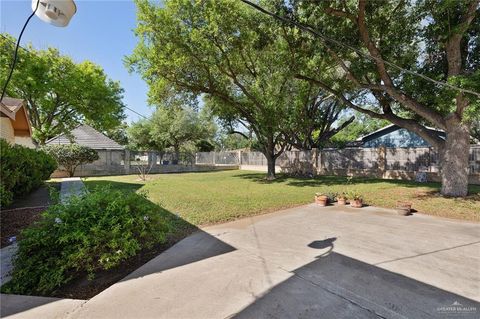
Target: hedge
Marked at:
22, 170
93, 232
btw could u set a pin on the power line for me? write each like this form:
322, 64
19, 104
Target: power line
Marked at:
30, 52
311, 30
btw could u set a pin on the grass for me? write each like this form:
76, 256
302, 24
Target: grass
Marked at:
213, 197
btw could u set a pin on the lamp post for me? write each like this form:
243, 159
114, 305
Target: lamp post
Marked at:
55, 12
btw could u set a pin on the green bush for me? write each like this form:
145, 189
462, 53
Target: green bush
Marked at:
22, 170
70, 156
91, 232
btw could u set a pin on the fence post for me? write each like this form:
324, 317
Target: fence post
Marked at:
126, 162
319, 157
239, 158
214, 157
382, 160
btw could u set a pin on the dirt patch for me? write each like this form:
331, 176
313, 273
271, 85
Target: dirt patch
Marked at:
23, 212
14, 220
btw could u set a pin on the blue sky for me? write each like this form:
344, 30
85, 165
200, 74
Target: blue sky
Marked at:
100, 31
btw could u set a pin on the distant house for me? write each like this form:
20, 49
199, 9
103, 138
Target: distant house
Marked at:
87, 136
394, 136
111, 154
14, 122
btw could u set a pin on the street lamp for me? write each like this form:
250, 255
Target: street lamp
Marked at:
55, 12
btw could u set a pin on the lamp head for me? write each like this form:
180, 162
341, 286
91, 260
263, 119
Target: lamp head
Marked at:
56, 12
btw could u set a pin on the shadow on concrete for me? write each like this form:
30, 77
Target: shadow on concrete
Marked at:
193, 243
196, 247
13, 304
337, 286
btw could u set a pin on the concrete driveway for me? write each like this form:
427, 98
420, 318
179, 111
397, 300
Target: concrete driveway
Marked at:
307, 262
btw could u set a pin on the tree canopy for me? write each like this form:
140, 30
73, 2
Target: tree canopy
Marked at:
178, 127
59, 92
376, 60
236, 58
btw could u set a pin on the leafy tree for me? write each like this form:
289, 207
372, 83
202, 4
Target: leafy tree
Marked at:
119, 134
223, 51
236, 58
70, 156
232, 141
172, 127
438, 39
316, 118
362, 125
60, 93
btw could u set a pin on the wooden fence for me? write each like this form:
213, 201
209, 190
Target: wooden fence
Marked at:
402, 163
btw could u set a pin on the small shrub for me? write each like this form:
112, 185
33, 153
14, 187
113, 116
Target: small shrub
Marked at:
70, 156
92, 232
22, 170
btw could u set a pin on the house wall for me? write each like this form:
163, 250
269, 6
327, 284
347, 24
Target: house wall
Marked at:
6, 130
24, 141
398, 138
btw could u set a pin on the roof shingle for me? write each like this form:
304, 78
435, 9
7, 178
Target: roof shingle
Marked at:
87, 136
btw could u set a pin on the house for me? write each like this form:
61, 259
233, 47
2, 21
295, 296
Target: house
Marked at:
87, 136
394, 136
111, 154
15, 125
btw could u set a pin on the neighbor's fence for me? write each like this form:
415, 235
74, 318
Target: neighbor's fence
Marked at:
375, 162
120, 162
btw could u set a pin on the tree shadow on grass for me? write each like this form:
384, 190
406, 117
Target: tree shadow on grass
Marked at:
330, 180
123, 186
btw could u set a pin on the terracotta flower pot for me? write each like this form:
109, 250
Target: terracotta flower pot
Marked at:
357, 203
342, 201
404, 208
321, 200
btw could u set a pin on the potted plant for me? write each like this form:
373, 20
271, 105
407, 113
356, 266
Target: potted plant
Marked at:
342, 199
404, 208
321, 199
356, 200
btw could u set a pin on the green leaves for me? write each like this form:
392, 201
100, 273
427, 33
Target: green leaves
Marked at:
70, 156
171, 127
59, 92
91, 232
22, 170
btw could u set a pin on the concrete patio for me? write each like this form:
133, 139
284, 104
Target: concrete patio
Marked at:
304, 262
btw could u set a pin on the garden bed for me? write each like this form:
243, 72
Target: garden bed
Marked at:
24, 211
13, 221
83, 288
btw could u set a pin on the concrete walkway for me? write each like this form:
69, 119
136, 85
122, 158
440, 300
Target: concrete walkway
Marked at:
308, 262
71, 186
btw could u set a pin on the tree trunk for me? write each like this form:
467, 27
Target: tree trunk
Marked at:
271, 167
454, 159
269, 152
176, 149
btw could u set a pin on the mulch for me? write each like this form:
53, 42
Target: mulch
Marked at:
12, 222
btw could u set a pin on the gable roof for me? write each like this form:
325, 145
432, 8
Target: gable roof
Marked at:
87, 136
16, 111
390, 128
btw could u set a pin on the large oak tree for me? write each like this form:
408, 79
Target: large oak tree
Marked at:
237, 59
60, 93
387, 44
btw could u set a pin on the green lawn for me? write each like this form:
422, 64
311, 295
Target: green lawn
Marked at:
206, 198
